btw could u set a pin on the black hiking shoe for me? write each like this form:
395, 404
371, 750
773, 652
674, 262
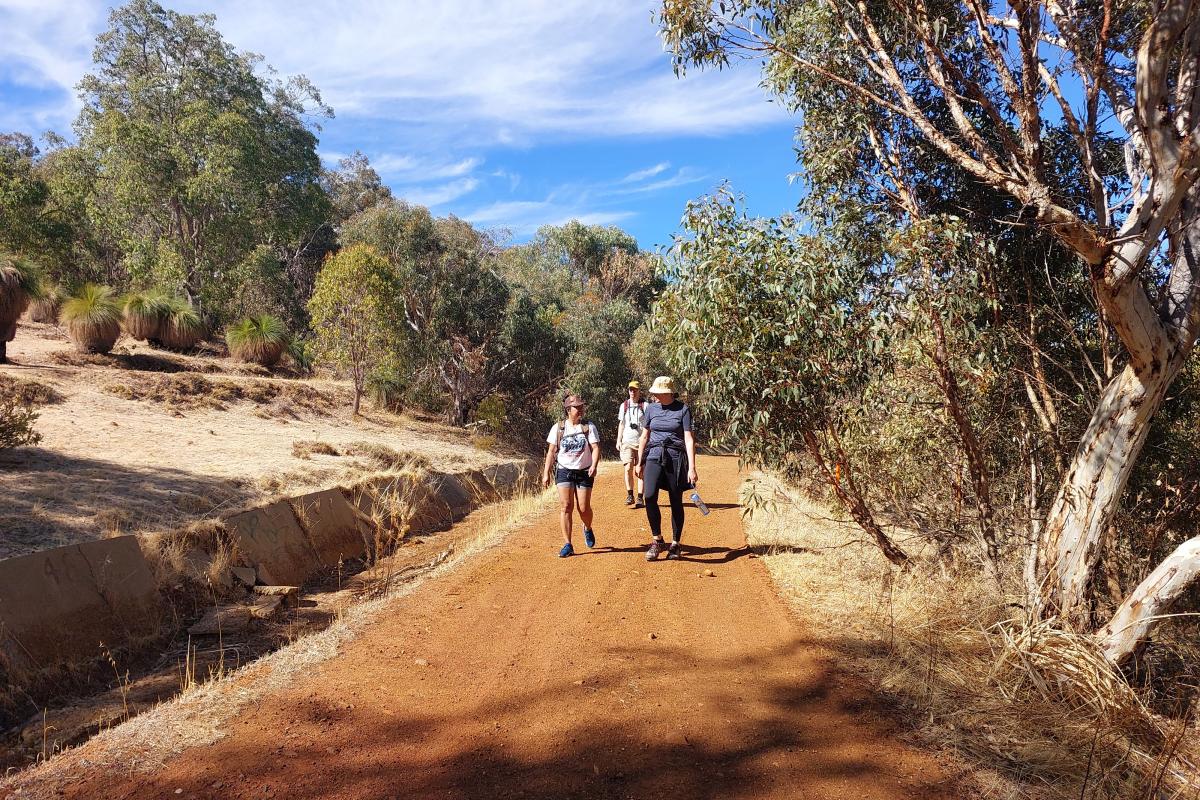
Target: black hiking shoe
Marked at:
656, 547
639, 503
673, 552
629, 498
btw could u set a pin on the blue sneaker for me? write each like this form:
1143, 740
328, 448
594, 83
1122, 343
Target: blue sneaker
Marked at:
589, 537
567, 550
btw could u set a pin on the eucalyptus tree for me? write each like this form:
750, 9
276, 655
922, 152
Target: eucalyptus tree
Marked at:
1005, 93
783, 334
468, 330
353, 187
200, 154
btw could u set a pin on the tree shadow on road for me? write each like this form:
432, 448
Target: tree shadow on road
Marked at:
765, 732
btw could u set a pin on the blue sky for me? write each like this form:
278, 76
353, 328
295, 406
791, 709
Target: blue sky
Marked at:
511, 114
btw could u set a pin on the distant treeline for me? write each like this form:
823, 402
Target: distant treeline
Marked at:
194, 172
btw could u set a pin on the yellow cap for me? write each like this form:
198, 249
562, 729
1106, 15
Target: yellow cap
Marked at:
634, 385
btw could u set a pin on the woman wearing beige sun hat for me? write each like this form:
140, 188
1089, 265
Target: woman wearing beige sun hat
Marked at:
666, 460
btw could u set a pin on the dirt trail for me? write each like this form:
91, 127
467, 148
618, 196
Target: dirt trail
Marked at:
598, 676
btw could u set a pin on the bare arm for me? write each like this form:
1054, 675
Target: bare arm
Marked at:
551, 451
689, 443
643, 441
595, 460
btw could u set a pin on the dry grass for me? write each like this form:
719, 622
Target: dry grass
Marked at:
30, 393
188, 391
308, 449
1036, 711
386, 458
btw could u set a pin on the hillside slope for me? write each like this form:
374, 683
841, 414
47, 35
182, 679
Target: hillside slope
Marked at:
145, 440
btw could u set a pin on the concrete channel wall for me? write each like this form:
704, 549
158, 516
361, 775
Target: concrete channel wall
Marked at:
65, 606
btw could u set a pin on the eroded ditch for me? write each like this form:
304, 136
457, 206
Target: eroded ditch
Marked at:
251, 622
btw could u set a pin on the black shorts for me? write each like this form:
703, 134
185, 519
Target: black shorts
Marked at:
578, 478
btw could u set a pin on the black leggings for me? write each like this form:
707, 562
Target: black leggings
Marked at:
664, 476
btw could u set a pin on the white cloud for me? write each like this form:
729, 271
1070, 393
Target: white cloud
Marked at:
472, 72
45, 48
683, 177
648, 172
524, 217
433, 196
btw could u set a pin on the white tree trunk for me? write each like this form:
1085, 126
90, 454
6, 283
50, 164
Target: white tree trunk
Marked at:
1092, 487
1153, 597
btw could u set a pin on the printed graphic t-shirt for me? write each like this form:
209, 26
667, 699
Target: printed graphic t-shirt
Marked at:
574, 451
630, 414
666, 425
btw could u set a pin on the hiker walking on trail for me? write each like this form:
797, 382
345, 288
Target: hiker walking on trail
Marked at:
573, 452
666, 460
629, 433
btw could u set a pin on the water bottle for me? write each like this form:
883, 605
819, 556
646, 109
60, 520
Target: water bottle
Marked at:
699, 503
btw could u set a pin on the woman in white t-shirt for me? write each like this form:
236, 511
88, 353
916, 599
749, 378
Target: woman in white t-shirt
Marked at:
573, 449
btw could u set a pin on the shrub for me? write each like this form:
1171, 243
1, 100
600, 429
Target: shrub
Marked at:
17, 414
302, 355
93, 318
386, 389
182, 328
146, 314
20, 284
261, 339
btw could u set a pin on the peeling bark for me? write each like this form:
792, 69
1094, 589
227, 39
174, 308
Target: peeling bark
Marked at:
1092, 487
1143, 609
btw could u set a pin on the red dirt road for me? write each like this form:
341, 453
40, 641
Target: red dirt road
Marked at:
523, 675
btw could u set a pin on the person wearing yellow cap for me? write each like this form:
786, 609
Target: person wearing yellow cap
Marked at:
666, 460
629, 432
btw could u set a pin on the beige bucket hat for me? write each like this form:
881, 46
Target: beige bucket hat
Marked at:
663, 384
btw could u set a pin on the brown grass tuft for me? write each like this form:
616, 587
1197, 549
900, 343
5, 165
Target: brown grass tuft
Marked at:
386, 458
308, 449
189, 391
28, 392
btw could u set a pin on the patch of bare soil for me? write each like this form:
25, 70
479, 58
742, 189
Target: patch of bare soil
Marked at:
525, 675
145, 441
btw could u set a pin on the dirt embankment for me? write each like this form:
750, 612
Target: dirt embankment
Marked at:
143, 441
523, 675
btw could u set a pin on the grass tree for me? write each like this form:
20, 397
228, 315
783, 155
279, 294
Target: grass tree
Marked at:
20, 284
93, 318
182, 328
353, 314
45, 309
261, 339
144, 315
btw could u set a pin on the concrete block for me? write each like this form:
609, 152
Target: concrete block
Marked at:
271, 540
265, 607
245, 576
222, 620
452, 495
330, 524
59, 606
